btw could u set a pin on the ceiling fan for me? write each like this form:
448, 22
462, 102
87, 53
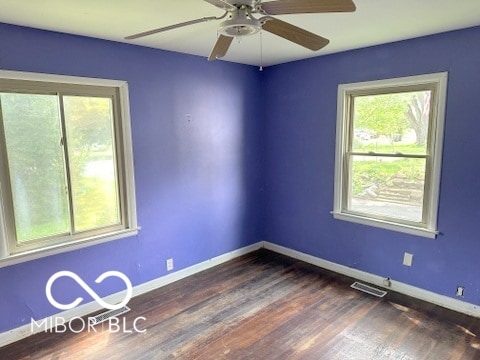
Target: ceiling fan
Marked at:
240, 21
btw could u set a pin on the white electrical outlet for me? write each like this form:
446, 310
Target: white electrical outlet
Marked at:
169, 264
460, 291
407, 259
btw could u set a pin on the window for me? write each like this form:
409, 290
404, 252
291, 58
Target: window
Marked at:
65, 163
388, 155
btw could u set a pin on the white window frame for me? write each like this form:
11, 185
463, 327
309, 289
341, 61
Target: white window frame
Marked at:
124, 155
434, 159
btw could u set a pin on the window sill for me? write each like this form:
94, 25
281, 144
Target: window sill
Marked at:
412, 230
61, 248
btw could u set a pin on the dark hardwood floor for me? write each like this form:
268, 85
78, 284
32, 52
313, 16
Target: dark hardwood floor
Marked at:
267, 306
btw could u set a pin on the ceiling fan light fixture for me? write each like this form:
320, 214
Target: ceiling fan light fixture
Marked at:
240, 27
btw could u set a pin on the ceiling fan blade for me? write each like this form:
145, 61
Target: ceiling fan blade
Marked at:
222, 4
220, 48
283, 7
170, 27
295, 34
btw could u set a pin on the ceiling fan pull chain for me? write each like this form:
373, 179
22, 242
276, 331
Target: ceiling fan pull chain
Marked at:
261, 51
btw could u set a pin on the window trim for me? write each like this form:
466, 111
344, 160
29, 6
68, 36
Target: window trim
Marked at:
126, 181
439, 82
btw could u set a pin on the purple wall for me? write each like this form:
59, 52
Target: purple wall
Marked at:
300, 148
197, 182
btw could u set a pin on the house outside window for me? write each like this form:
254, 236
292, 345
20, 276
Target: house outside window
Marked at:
66, 163
388, 154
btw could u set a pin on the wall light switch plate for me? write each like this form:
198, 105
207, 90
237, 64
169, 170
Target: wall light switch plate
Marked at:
407, 259
169, 264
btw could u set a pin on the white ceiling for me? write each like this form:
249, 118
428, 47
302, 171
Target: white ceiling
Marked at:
374, 22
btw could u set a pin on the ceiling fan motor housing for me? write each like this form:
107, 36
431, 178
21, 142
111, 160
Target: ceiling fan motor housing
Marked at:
240, 3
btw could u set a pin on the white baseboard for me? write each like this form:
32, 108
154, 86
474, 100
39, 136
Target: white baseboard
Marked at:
425, 295
24, 331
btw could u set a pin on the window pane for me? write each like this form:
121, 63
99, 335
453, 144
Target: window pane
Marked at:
387, 187
391, 123
89, 124
35, 158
